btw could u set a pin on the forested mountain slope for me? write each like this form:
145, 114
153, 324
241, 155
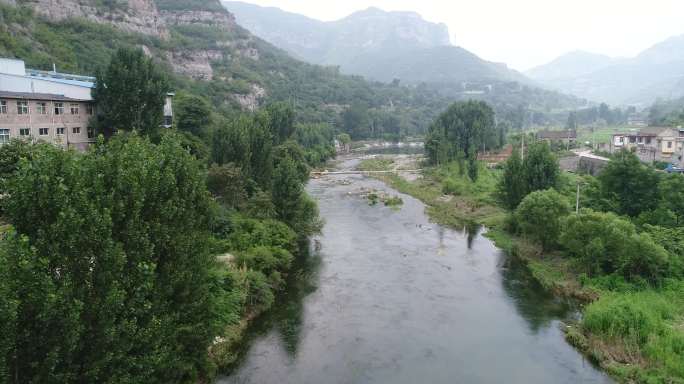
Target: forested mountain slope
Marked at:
209, 54
202, 45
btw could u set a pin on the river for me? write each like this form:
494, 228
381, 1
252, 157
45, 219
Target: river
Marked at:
388, 297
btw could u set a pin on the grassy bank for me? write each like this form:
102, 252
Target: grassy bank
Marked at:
634, 332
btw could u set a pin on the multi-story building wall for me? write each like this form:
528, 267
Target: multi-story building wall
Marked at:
53, 118
50, 106
652, 144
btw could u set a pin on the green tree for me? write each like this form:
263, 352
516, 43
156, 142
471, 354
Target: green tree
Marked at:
130, 94
231, 144
282, 121
228, 184
672, 195
511, 188
8, 318
110, 265
191, 113
539, 216
355, 121
541, 169
460, 132
632, 185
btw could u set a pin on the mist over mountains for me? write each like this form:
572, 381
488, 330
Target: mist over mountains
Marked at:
385, 46
375, 44
657, 72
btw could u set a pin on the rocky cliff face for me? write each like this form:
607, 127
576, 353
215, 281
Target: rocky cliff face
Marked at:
139, 16
218, 38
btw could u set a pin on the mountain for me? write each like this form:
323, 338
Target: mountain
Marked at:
330, 43
572, 64
375, 44
206, 52
657, 72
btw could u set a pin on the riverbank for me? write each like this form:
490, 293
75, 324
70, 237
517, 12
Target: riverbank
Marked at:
391, 286
652, 357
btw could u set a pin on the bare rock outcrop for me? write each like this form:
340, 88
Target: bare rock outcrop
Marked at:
195, 64
134, 16
251, 100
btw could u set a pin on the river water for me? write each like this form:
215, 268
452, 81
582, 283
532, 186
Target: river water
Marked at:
388, 297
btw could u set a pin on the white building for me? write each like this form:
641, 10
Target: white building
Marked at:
50, 106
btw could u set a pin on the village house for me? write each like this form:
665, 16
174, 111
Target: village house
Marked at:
50, 106
567, 137
652, 144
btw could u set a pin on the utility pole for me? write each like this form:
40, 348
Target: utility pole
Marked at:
522, 146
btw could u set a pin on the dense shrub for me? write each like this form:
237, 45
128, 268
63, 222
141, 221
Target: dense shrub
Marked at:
630, 184
605, 244
539, 216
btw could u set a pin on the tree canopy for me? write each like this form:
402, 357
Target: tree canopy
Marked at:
130, 94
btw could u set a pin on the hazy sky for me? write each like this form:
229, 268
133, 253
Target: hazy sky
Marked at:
526, 33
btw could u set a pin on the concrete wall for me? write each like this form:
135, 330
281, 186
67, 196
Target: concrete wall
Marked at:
34, 121
11, 66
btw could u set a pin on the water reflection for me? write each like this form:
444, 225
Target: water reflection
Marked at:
393, 298
536, 305
286, 317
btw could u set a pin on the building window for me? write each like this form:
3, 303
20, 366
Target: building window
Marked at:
622, 139
669, 144
74, 109
43, 131
168, 121
648, 140
59, 108
632, 139
89, 109
91, 133
24, 131
3, 107
641, 139
22, 107
4, 136
76, 130
60, 131
41, 108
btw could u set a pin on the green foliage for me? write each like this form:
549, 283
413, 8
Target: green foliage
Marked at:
540, 168
188, 5
282, 121
110, 264
8, 318
539, 171
512, 188
462, 130
672, 196
643, 324
451, 186
267, 260
344, 138
630, 184
246, 233
605, 244
10, 156
227, 184
317, 141
539, 216
130, 94
191, 113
